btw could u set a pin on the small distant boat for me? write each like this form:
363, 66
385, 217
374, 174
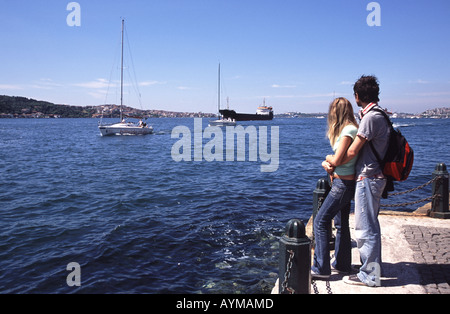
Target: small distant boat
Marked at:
263, 113
123, 127
222, 121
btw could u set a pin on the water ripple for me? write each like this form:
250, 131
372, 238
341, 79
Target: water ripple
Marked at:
138, 222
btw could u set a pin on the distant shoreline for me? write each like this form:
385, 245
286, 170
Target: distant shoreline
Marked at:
20, 107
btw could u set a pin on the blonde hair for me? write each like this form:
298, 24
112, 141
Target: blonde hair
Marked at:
340, 115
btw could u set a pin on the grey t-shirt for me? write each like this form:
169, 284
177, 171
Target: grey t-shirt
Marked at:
373, 127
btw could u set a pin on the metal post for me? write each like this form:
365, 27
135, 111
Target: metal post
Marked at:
319, 196
295, 260
440, 206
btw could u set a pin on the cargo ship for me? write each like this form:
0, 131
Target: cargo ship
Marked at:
262, 113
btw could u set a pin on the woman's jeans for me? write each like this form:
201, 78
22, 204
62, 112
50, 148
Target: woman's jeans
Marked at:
367, 229
337, 206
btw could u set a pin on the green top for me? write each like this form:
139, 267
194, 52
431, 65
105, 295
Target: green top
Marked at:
349, 168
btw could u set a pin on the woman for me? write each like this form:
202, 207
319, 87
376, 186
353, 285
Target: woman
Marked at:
342, 130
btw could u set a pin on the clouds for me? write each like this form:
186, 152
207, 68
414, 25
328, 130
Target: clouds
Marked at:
101, 90
102, 83
283, 86
97, 89
307, 96
44, 83
433, 94
151, 83
100, 87
419, 81
10, 87
96, 84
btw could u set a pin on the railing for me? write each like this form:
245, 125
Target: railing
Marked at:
439, 197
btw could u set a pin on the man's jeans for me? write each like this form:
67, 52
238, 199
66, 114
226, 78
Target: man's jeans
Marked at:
337, 206
367, 229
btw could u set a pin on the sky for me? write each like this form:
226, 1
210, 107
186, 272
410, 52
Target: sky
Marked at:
296, 55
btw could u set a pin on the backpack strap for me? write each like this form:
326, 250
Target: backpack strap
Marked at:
389, 183
380, 160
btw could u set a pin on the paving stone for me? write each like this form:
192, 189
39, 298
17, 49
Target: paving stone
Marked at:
431, 253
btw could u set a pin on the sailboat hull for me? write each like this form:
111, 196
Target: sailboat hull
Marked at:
222, 122
124, 129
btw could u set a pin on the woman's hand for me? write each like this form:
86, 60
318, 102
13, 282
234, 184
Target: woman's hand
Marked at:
329, 159
328, 167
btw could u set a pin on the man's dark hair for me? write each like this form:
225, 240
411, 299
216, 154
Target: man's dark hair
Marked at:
368, 89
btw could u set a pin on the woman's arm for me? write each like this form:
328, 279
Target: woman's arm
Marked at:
336, 159
346, 152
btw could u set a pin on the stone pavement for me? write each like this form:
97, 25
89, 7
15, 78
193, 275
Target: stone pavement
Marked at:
431, 252
416, 257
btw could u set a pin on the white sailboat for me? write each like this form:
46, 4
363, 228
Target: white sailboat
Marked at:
124, 127
222, 121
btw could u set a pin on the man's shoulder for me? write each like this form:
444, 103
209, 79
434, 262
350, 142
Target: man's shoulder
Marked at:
376, 111
374, 116
373, 123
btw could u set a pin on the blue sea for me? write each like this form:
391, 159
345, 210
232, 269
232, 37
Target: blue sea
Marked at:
136, 221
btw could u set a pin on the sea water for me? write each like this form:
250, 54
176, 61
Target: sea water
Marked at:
136, 221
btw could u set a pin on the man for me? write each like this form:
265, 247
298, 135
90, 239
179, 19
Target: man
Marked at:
370, 181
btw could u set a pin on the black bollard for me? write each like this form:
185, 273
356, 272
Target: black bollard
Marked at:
295, 260
440, 207
319, 196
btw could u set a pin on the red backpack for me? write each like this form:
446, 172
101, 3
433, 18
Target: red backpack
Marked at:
399, 159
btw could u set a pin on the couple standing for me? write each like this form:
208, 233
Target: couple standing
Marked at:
356, 173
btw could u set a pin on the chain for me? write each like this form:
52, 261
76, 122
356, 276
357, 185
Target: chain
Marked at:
316, 290
413, 190
329, 288
412, 203
287, 275
320, 202
314, 285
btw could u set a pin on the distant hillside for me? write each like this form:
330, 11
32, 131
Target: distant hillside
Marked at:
21, 107
30, 108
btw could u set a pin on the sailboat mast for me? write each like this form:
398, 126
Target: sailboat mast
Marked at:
218, 102
121, 77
